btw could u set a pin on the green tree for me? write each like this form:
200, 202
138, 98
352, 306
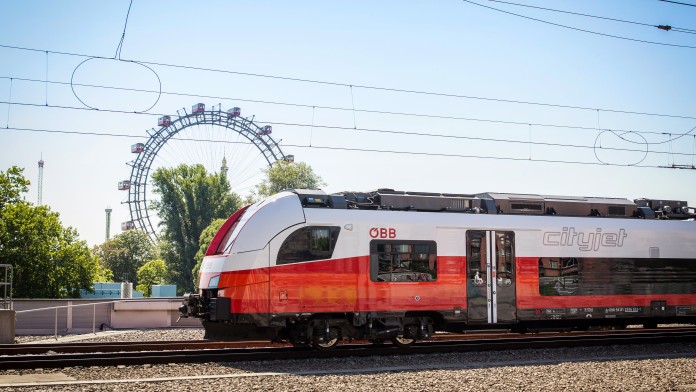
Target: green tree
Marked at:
125, 253
288, 175
190, 199
102, 273
151, 273
12, 185
203, 242
49, 260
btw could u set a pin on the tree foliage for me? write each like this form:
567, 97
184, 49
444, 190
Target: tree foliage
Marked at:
151, 273
103, 273
288, 175
12, 185
203, 242
190, 199
125, 253
49, 260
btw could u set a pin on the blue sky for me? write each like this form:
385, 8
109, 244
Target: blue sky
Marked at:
462, 51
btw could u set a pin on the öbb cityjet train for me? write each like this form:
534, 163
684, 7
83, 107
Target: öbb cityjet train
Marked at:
312, 268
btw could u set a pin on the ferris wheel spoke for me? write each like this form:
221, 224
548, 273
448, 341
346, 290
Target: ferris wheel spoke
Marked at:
200, 137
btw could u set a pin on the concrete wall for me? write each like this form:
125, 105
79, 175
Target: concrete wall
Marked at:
156, 313
7, 326
85, 315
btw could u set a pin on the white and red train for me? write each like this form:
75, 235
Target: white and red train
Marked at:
313, 268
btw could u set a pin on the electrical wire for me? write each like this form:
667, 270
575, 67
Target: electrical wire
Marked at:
677, 2
77, 96
666, 28
427, 134
420, 134
123, 36
439, 94
581, 30
423, 115
347, 148
474, 138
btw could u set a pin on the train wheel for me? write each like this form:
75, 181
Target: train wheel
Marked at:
325, 344
402, 342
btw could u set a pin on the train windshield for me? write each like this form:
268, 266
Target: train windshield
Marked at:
236, 227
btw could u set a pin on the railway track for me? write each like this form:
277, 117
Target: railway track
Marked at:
139, 353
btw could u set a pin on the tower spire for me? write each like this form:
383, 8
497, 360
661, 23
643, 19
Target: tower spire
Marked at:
224, 169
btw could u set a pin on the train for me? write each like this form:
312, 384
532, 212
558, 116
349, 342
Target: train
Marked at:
312, 268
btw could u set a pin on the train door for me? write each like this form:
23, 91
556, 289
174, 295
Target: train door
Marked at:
490, 271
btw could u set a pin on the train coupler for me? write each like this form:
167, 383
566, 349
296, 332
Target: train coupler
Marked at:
192, 306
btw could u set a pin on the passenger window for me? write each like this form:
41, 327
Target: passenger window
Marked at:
476, 257
403, 261
307, 244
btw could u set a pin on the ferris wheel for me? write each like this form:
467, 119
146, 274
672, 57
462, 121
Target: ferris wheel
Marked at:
202, 137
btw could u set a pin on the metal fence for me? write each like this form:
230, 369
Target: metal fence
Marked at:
65, 314
78, 316
6, 286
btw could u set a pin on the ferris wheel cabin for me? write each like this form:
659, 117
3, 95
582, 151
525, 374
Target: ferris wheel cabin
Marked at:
267, 130
137, 148
234, 112
124, 185
198, 108
128, 225
164, 121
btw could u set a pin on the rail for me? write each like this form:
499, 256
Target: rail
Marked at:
173, 354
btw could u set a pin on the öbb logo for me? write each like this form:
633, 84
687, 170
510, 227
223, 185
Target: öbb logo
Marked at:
383, 232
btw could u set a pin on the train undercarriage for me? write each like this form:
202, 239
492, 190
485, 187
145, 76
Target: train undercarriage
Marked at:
324, 331
321, 331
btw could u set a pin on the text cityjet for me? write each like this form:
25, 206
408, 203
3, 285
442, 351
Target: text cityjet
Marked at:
584, 240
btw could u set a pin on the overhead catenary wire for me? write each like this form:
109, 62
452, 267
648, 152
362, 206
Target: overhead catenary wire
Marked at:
661, 27
111, 134
678, 2
421, 134
407, 91
579, 29
123, 36
291, 104
418, 92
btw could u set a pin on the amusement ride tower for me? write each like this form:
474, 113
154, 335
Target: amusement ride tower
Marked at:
41, 165
108, 222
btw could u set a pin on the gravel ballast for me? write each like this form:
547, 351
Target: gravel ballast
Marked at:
655, 367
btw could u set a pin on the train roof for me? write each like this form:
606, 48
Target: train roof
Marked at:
497, 203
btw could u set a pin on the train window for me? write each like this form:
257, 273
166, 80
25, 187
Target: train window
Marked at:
477, 257
307, 244
229, 238
504, 248
403, 261
559, 276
